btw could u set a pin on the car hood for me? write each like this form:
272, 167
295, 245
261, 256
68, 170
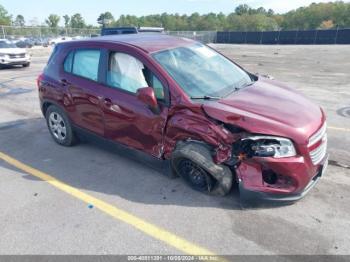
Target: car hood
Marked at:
271, 108
12, 50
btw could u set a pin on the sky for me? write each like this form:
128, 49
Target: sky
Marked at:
91, 9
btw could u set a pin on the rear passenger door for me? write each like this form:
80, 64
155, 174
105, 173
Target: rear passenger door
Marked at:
128, 120
81, 78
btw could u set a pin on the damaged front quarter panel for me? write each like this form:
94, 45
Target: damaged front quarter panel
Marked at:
193, 124
253, 161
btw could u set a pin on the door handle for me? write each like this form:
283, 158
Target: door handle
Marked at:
64, 82
107, 102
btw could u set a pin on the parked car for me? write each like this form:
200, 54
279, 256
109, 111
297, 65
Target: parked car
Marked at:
40, 42
60, 40
10, 54
130, 30
182, 101
25, 43
118, 30
147, 29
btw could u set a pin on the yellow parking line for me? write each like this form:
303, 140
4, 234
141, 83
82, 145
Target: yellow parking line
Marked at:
339, 128
142, 225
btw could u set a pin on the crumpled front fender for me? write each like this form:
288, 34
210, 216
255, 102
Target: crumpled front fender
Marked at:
186, 124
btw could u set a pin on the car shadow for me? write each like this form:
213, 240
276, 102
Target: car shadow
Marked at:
11, 67
98, 166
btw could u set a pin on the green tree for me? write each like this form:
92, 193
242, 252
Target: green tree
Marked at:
314, 15
270, 12
242, 9
327, 24
260, 10
53, 20
245, 18
105, 18
19, 21
193, 21
66, 19
5, 18
222, 21
246, 22
77, 21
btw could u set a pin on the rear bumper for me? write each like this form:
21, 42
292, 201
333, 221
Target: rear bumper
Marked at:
278, 197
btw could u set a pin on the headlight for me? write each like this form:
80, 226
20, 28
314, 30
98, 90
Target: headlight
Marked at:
270, 146
2, 55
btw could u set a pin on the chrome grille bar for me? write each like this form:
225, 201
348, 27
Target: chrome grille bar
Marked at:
318, 135
319, 153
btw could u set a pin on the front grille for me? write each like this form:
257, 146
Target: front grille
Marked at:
17, 55
319, 152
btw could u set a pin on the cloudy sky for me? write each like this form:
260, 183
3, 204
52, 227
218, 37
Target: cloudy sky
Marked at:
90, 9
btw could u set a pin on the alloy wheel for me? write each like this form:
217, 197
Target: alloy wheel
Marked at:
57, 126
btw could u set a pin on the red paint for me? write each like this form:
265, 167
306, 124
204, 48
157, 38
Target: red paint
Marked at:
267, 107
147, 96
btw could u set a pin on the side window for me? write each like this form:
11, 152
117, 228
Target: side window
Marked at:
85, 63
128, 73
68, 62
158, 87
125, 72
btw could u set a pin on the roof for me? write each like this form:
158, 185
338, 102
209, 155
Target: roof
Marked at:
146, 41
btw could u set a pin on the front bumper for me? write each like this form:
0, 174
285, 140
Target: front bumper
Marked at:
247, 194
15, 61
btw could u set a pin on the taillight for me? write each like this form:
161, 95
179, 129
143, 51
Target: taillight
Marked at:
39, 78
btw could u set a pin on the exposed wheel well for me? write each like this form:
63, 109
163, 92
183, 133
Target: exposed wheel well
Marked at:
200, 154
45, 107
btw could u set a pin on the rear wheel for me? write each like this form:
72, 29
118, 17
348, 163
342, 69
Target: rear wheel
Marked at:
59, 126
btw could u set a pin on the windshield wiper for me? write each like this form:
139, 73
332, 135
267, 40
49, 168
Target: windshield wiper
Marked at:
206, 97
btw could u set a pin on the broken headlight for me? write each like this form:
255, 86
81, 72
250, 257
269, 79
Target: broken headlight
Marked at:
268, 146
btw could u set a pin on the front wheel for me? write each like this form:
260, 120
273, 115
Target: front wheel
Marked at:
194, 162
59, 126
195, 176
26, 65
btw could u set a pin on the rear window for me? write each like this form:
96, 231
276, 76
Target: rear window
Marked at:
51, 63
84, 63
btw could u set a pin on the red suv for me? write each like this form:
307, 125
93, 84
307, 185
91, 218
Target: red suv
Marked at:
180, 100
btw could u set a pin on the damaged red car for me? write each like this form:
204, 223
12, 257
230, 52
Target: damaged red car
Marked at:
182, 101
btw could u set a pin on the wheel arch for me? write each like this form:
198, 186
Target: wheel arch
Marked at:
46, 103
201, 153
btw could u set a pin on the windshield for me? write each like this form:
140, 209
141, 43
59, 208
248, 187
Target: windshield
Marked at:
4, 44
202, 72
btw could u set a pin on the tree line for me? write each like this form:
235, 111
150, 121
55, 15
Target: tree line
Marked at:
244, 18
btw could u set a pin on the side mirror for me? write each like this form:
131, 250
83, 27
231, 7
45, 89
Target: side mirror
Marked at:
147, 96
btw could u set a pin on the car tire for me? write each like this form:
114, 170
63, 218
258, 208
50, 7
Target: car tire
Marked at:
26, 65
194, 175
59, 126
194, 163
